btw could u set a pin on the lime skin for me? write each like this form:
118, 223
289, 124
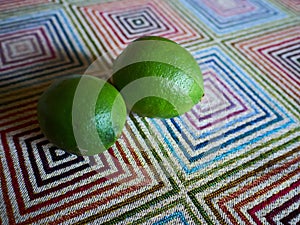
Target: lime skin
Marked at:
158, 78
75, 122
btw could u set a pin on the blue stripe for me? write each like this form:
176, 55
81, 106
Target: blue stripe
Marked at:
204, 144
260, 91
41, 19
201, 145
171, 217
264, 13
53, 42
232, 122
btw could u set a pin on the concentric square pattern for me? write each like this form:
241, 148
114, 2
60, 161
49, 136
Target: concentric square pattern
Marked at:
121, 24
280, 54
232, 159
201, 139
54, 182
230, 16
38, 46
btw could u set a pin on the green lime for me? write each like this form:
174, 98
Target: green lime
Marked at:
83, 115
158, 78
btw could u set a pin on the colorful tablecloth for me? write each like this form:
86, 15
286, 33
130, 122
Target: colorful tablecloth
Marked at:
233, 159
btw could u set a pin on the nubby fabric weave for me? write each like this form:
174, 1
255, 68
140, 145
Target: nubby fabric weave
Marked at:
233, 159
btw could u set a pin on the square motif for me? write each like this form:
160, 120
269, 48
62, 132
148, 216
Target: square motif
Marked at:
225, 17
136, 22
230, 7
277, 55
22, 46
37, 45
253, 117
54, 182
115, 25
219, 103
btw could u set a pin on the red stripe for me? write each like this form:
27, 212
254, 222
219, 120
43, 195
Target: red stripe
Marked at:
13, 175
280, 80
274, 197
19, 3
121, 193
16, 188
275, 63
281, 208
222, 202
11, 122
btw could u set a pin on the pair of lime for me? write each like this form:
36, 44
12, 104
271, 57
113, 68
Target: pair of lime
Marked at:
154, 76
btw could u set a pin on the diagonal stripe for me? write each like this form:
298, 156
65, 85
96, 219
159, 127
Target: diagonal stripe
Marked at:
270, 216
288, 219
262, 12
244, 177
63, 39
244, 189
281, 193
279, 117
277, 74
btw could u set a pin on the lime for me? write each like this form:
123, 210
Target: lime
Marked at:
83, 115
158, 78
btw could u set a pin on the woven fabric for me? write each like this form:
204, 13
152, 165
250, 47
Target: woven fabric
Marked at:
233, 159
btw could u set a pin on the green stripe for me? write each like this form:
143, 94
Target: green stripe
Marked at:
82, 27
248, 164
147, 205
166, 208
249, 67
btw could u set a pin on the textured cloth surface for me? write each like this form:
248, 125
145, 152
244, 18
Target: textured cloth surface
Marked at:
233, 159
